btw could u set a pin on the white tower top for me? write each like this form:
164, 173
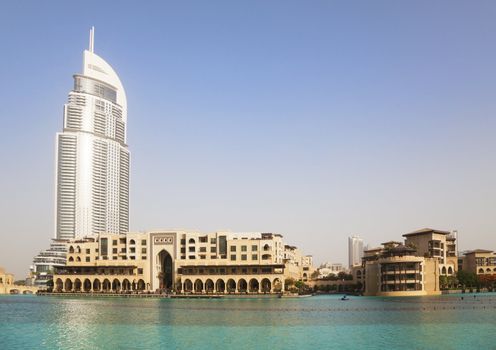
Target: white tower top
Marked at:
92, 40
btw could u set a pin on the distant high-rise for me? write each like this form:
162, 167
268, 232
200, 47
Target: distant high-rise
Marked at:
355, 250
92, 163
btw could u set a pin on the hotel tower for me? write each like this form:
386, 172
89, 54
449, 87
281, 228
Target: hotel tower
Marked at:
92, 158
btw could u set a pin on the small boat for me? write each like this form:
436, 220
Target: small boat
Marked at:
345, 298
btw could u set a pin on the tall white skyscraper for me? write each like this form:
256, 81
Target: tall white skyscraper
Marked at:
355, 250
92, 162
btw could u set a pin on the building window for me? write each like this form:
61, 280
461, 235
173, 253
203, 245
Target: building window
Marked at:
143, 242
233, 248
243, 257
254, 257
213, 256
203, 249
87, 259
114, 242
243, 248
132, 249
183, 250
191, 249
254, 248
183, 241
233, 257
114, 250
213, 250
143, 250
87, 251
244, 270
213, 240
204, 239
222, 245
103, 244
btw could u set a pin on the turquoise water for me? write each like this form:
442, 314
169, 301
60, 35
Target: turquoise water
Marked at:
322, 322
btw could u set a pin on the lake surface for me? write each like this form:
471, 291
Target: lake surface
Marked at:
321, 322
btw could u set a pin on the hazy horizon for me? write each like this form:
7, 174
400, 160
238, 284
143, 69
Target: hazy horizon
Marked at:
314, 120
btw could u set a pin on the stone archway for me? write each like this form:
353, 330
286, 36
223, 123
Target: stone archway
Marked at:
254, 285
165, 277
188, 286
198, 286
220, 286
59, 285
242, 286
209, 286
96, 285
231, 286
107, 286
116, 285
77, 285
266, 285
87, 285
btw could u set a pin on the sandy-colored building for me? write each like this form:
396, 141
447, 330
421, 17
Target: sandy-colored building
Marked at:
409, 268
480, 262
8, 286
437, 244
6, 281
219, 262
396, 270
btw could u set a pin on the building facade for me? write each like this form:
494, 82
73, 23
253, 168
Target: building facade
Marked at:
410, 268
355, 251
436, 244
92, 157
179, 261
396, 270
480, 262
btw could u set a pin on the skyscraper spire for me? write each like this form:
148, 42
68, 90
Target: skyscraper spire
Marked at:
92, 39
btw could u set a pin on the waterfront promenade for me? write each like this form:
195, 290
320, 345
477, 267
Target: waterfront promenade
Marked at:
321, 322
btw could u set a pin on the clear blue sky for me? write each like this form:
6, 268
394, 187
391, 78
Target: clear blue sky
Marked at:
314, 119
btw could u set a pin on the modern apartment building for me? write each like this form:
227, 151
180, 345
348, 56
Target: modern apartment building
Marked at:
355, 250
220, 262
46, 262
92, 157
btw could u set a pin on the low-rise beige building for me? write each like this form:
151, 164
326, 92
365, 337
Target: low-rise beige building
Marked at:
8, 286
186, 262
480, 262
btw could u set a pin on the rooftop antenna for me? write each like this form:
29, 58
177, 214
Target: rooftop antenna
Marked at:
92, 39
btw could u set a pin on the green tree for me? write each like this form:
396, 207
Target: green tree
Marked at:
467, 279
